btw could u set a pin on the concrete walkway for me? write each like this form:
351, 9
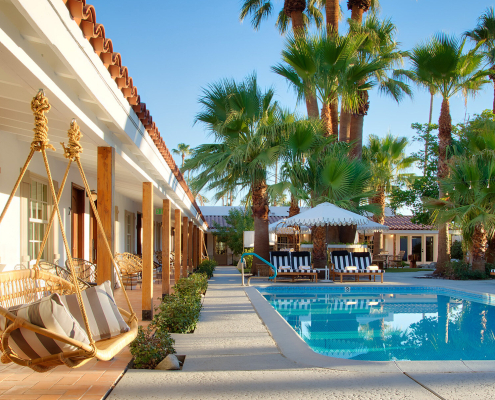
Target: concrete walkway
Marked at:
232, 355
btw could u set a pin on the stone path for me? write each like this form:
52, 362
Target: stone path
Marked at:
232, 356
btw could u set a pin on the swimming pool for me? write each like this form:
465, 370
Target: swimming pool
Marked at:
389, 323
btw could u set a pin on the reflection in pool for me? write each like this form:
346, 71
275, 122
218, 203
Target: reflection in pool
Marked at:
390, 326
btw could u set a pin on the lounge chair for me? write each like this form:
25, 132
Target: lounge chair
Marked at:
282, 261
342, 264
301, 261
362, 260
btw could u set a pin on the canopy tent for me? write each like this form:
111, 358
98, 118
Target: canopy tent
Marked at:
372, 226
281, 228
326, 214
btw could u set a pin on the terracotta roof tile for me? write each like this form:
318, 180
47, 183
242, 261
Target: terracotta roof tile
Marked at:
403, 223
85, 16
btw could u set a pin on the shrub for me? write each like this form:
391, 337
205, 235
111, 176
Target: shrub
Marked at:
194, 285
149, 348
207, 267
178, 313
249, 260
456, 250
462, 271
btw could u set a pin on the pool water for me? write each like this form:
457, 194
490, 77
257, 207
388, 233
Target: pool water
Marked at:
390, 324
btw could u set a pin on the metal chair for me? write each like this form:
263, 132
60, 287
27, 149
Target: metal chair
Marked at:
61, 272
85, 270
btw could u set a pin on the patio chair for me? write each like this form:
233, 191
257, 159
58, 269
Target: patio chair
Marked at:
362, 260
301, 262
342, 264
56, 269
396, 261
85, 270
282, 261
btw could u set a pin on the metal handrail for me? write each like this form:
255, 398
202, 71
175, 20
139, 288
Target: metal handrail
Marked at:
260, 258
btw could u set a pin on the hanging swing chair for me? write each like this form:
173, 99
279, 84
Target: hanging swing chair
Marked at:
24, 287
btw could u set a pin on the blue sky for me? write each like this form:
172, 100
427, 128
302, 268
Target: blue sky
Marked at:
175, 48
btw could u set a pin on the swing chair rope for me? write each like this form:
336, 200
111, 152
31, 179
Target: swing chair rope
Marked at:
72, 152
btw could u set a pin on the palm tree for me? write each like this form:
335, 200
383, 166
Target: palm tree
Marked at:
243, 119
471, 201
330, 65
183, 150
299, 12
484, 34
387, 160
379, 45
443, 62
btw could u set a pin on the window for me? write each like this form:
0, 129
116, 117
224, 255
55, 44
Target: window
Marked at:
129, 232
282, 240
221, 248
37, 218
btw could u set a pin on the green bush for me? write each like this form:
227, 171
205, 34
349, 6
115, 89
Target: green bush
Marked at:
462, 271
456, 250
207, 267
249, 260
194, 285
178, 314
149, 348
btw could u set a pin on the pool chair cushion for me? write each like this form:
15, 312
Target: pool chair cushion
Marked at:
306, 269
341, 259
49, 313
105, 320
281, 260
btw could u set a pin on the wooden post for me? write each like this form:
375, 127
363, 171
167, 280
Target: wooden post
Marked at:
105, 189
166, 228
185, 242
195, 247
190, 248
201, 245
177, 224
147, 249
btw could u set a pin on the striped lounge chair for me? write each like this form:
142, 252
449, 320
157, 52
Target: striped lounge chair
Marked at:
282, 261
341, 259
362, 260
301, 262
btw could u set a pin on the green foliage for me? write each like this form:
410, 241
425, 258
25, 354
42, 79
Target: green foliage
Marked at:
178, 314
488, 269
207, 267
151, 346
456, 250
193, 286
238, 221
462, 271
248, 259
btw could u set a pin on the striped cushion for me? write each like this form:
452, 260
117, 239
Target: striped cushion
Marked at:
50, 313
341, 259
104, 317
362, 260
285, 270
280, 259
306, 269
300, 259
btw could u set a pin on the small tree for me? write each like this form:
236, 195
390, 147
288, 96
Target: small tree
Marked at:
238, 221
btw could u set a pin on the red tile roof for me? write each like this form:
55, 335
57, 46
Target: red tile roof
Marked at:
212, 220
85, 16
403, 223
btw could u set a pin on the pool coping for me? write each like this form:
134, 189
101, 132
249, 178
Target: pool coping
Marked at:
293, 347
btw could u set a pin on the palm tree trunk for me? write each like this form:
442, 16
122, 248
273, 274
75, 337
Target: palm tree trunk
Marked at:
294, 206
260, 210
444, 139
326, 117
378, 236
357, 14
334, 113
318, 235
478, 248
345, 126
332, 11
183, 159
492, 77
356, 135
426, 139
490, 252
297, 23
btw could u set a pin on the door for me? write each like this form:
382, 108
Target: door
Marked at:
93, 235
220, 251
417, 248
429, 249
139, 224
77, 221
403, 247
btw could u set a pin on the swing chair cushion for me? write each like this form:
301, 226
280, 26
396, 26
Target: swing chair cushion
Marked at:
103, 314
49, 313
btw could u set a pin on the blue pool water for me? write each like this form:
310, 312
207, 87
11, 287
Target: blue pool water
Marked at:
389, 323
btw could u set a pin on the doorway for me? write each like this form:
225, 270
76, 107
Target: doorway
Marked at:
139, 224
417, 247
77, 221
93, 235
429, 249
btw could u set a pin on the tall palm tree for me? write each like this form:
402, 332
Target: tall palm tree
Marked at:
182, 150
387, 160
299, 12
470, 202
244, 121
484, 34
443, 62
379, 45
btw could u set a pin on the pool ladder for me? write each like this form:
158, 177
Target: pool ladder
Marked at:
242, 262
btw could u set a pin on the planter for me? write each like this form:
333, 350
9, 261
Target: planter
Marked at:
181, 358
351, 247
